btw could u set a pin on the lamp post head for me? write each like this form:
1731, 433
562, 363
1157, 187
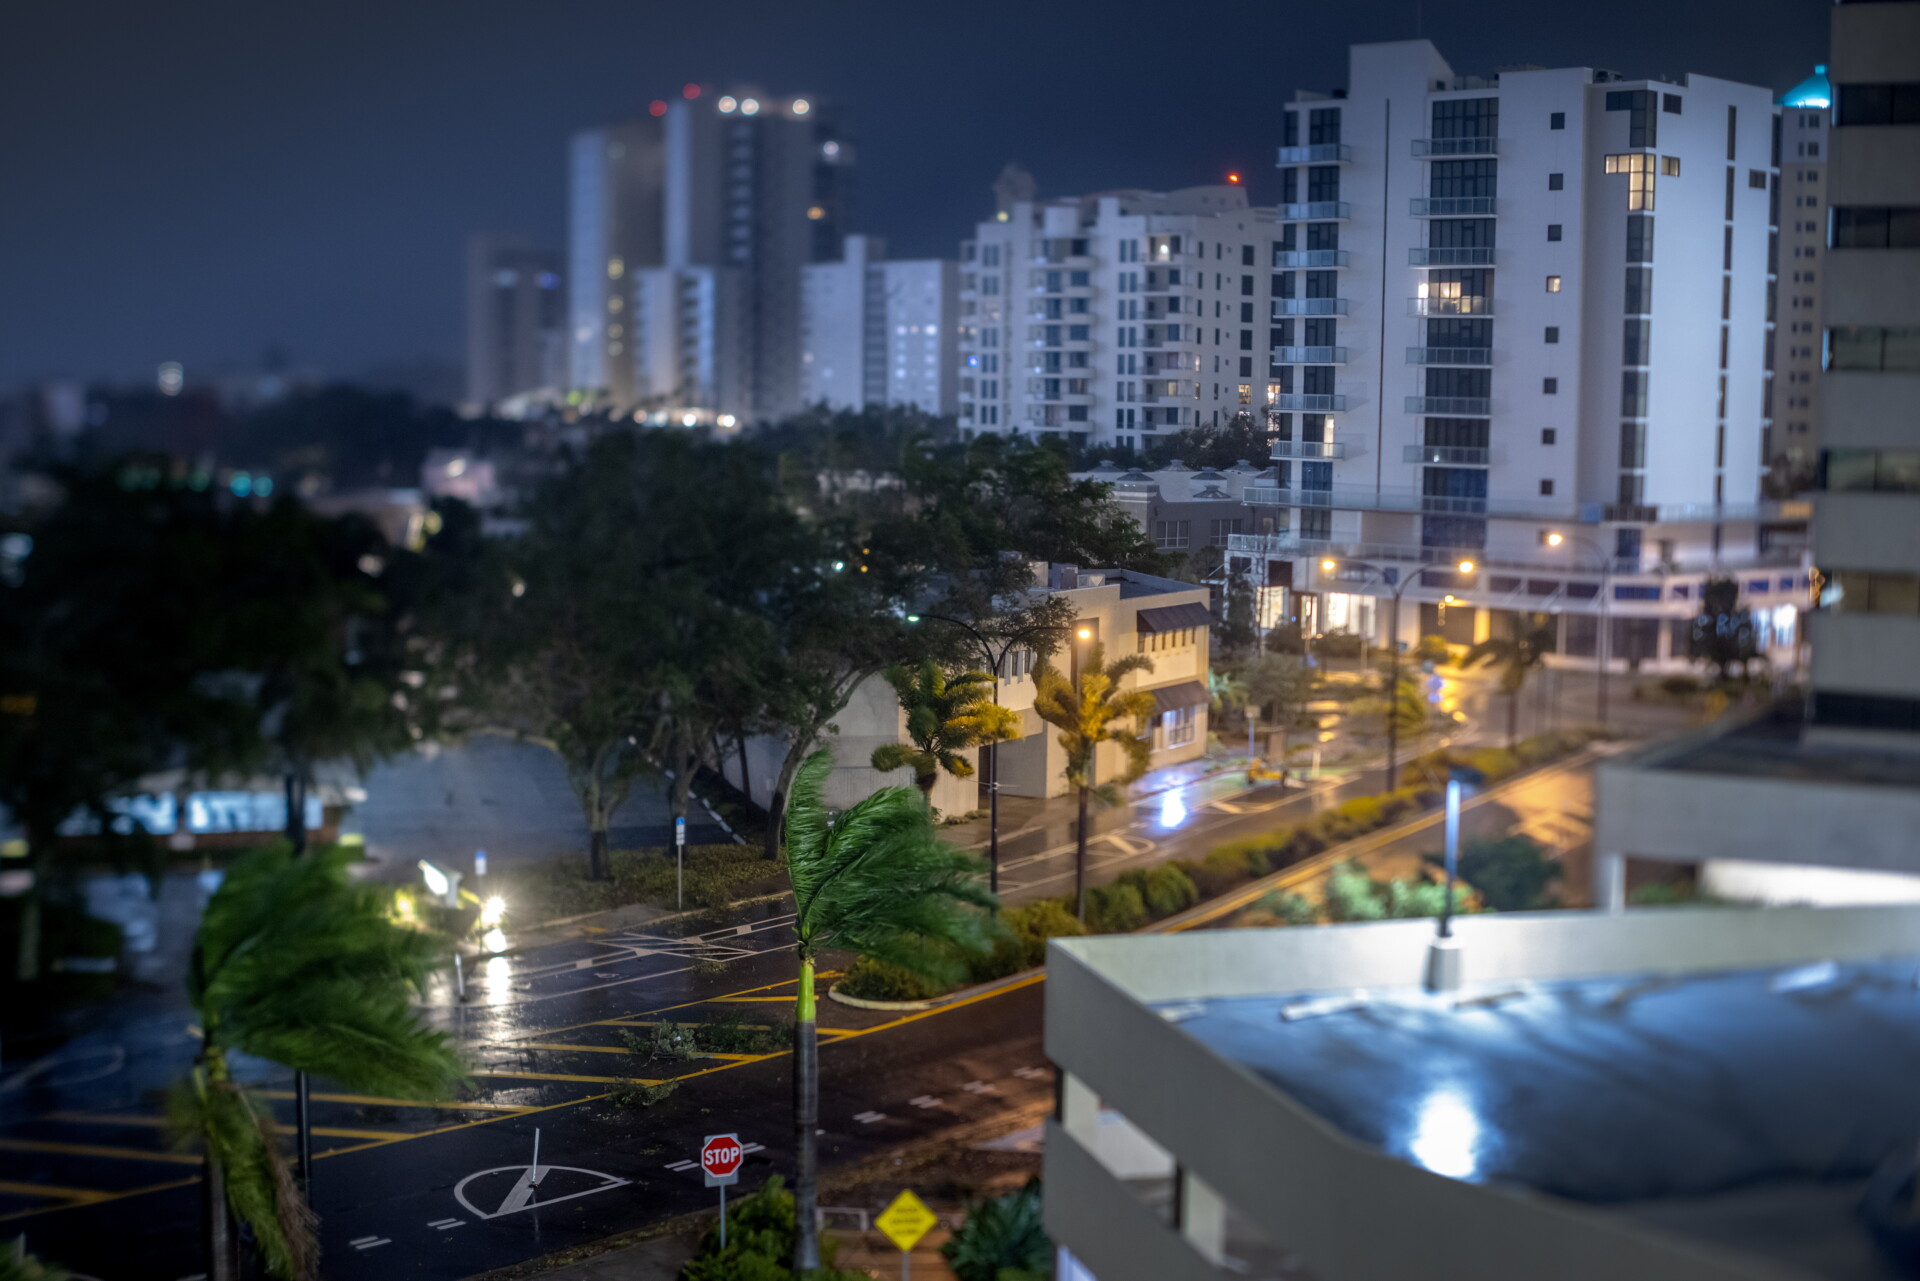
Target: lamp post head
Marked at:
1085, 633
1465, 775
1328, 566
1555, 538
1467, 567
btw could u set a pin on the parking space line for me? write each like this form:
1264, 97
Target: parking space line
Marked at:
557, 1076
97, 1150
366, 1100
160, 1122
75, 1196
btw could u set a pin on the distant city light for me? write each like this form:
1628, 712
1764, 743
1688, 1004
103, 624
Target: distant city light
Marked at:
656, 108
727, 104
749, 106
172, 378
689, 420
690, 92
263, 485
726, 420
241, 484
829, 149
801, 106
1233, 177
458, 467
816, 212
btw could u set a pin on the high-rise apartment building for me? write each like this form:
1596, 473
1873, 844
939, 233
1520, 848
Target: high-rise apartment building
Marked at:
1530, 315
1113, 318
875, 332
516, 320
703, 215
1793, 394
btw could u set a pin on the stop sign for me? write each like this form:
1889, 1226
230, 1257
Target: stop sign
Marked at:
720, 1158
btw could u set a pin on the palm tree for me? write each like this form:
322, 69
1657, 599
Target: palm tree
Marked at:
878, 881
1095, 712
946, 715
1280, 685
1517, 655
297, 964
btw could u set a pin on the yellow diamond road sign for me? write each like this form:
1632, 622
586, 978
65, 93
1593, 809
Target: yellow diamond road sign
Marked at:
905, 1221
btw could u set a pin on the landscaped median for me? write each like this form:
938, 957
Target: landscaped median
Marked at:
713, 877
1167, 895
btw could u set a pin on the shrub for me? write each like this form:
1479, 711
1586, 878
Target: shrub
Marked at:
1340, 644
1169, 890
1287, 908
630, 1093
1431, 649
715, 875
1021, 942
759, 1243
732, 1034
1679, 685
1001, 1236
664, 1042
872, 980
1286, 639
1115, 909
1349, 895
1511, 873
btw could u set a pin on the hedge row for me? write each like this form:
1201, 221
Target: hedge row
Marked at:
715, 875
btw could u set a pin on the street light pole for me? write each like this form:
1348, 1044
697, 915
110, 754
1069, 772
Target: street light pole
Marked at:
1443, 954
1603, 643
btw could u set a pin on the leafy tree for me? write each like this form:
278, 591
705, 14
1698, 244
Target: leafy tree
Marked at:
1090, 711
1244, 436
946, 715
1512, 873
1001, 1235
17, 1265
1723, 633
296, 963
1280, 685
1226, 690
1235, 630
1517, 656
879, 882
1409, 706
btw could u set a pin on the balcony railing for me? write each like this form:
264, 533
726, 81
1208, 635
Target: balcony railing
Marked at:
1308, 449
1310, 258
1451, 256
1469, 306
1316, 209
1309, 404
1449, 355
1472, 406
1406, 500
1446, 455
1309, 306
1450, 206
1310, 355
1318, 154
1440, 147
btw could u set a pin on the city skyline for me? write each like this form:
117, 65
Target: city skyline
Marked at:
167, 217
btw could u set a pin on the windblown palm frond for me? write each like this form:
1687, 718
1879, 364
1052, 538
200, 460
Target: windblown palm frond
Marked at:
946, 715
879, 881
238, 1138
1096, 712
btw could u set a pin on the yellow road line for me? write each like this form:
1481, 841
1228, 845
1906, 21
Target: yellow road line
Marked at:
367, 1100
78, 1196
570, 1049
160, 1122
748, 1000
94, 1149
638, 1019
556, 1076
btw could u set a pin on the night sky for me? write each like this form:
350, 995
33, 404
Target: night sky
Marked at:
201, 181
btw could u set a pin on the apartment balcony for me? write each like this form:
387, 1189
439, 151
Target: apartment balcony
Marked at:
1310, 355
1480, 356
1469, 306
1310, 258
1316, 210
1310, 450
1469, 406
1319, 154
1451, 206
1309, 306
1408, 500
1309, 404
1447, 455
1449, 148
1451, 256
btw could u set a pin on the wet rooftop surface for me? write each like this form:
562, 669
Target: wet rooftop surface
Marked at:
1742, 1108
1773, 747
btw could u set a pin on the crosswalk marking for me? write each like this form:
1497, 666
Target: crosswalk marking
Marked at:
925, 1101
441, 1225
868, 1118
1029, 1073
370, 1243
978, 1087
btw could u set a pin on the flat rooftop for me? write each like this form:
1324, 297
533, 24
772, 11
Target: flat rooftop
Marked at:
1773, 746
1743, 1108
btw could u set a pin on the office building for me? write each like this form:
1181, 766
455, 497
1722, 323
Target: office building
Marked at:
703, 215
1688, 1094
1505, 363
1829, 788
1793, 392
875, 332
1112, 318
516, 320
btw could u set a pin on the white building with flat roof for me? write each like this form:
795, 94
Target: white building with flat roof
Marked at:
1533, 313
878, 332
1115, 317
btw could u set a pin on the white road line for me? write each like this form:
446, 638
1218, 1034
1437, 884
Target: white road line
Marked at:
868, 1118
925, 1101
978, 1087
753, 1147
370, 1243
440, 1225
677, 1166
1030, 1073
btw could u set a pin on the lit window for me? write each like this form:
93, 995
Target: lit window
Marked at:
1553, 284
616, 268
816, 212
615, 303
1638, 166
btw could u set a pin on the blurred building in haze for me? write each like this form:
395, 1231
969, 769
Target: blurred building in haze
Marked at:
875, 332
516, 320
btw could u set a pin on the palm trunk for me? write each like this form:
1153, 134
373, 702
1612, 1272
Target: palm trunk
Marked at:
599, 866
218, 1226
1080, 861
296, 786
806, 1120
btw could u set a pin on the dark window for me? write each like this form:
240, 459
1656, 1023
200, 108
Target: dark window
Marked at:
1246, 362
1459, 331
1553, 231
1443, 380
1556, 182
1323, 235
1548, 436
1638, 343
1458, 178
1633, 393
1454, 482
1553, 333
1633, 444
1460, 233
1246, 340
1314, 427
1639, 290
1466, 118
1643, 127
1733, 130
1880, 104
1323, 126
1469, 433
1316, 380
1246, 255
1289, 181
1670, 103
1876, 227
1317, 332
1283, 283
1323, 183
1289, 128
1321, 284
1729, 213
1639, 238
1757, 179
1281, 335
1316, 475
1546, 488
1867, 348
1557, 120
1288, 242
1550, 386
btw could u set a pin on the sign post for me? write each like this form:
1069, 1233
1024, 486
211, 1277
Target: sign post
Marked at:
679, 864
905, 1220
720, 1159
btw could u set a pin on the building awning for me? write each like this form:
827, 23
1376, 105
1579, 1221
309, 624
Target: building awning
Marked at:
1171, 698
1175, 618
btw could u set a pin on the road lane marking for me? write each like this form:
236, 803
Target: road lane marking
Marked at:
924, 1101
441, 1225
558, 1076
97, 1150
678, 1166
868, 1118
370, 1243
978, 1087
636, 1019
753, 1147
1029, 1073
568, 1049
368, 1100
160, 1122
75, 1196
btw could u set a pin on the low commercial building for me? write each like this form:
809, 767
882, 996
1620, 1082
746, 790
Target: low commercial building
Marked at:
1124, 611
1675, 1095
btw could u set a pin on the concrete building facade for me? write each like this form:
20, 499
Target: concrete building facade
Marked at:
875, 332
516, 320
1793, 390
